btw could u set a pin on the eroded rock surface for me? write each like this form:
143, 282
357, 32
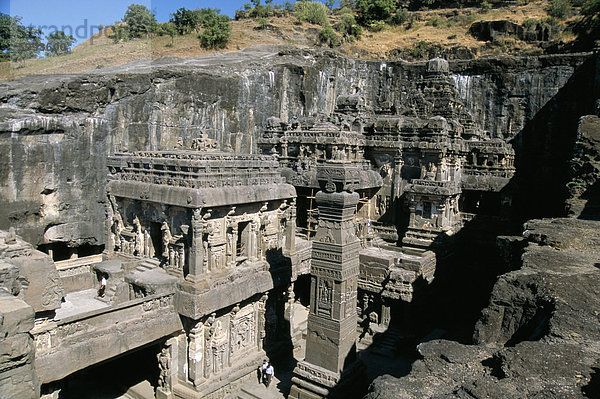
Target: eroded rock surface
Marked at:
56, 131
539, 337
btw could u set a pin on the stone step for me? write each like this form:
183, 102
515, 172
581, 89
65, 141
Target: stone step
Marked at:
109, 294
147, 264
387, 344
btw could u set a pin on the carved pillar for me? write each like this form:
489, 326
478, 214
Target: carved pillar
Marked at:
330, 368
208, 333
196, 349
291, 229
397, 178
232, 332
196, 260
253, 240
262, 306
232, 245
181, 258
284, 149
289, 311
385, 311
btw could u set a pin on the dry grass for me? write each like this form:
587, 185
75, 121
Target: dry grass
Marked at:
451, 30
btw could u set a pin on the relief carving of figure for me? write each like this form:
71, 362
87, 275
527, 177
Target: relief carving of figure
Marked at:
166, 239
164, 361
324, 295
431, 171
148, 247
139, 237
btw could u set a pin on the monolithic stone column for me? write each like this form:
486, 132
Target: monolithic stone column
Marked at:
196, 260
196, 353
330, 368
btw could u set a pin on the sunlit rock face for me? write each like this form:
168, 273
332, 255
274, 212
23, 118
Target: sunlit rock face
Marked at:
56, 132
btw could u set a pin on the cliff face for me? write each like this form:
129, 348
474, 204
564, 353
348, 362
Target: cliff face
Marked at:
56, 131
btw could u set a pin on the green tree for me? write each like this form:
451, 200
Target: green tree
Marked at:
167, 28
6, 26
139, 20
217, 29
59, 43
370, 11
560, 9
312, 12
185, 21
18, 42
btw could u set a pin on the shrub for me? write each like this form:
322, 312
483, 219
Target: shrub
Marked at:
485, 7
370, 11
400, 17
348, 27
420, 50
434, 21
559, 9
119, 32
263, 23
591, 8
376, 26
529, 23
312, 12
327, 36
169, 29
551, 21
217, 29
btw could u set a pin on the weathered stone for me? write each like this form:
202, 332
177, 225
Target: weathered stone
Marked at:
39, 281
17, 375
538, 337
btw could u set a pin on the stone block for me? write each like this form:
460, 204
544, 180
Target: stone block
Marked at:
43, 289
16, 316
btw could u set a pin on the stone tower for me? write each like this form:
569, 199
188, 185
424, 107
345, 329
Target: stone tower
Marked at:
330, 367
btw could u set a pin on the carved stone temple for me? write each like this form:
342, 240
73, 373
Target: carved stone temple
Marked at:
331, 367
301, 210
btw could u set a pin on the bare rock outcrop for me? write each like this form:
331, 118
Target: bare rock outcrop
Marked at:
584, 186
539, 337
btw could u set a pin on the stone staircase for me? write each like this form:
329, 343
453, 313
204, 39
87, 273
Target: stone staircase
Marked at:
147, 264
109, 294
387, 343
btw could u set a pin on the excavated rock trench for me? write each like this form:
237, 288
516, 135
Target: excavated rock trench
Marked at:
520, 310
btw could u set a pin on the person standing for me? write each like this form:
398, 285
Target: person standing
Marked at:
102, 288
269, 372
263, 371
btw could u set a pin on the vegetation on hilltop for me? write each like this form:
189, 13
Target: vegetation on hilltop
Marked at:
410, 29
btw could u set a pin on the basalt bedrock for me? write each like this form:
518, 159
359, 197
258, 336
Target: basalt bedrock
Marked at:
519, 131
72, 122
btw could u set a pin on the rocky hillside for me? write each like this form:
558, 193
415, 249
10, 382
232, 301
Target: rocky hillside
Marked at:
454, 33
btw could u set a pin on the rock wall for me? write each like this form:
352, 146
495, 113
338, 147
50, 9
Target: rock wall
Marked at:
17, 374
56, 131
538, 337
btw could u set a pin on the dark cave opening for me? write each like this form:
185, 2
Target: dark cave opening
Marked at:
135, 370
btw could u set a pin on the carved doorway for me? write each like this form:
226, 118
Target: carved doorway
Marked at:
156, 238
